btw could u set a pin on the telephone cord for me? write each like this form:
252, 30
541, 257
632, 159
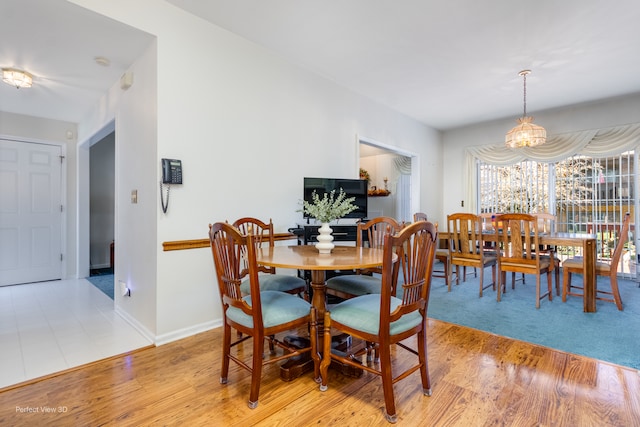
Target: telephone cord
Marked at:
164, 207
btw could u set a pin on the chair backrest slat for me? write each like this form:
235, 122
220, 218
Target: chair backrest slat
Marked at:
415, 247
519, 237
232, 252
465, 235
622, 239
375, 229
262, 233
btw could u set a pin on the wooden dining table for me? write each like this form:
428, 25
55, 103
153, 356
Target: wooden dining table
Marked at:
307, 257
588, 244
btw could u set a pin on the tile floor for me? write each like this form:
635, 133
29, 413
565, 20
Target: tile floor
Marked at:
53, 326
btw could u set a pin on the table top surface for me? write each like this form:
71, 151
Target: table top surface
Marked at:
306, 257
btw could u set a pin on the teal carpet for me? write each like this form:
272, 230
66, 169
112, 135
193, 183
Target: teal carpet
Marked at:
609, 335
104, 282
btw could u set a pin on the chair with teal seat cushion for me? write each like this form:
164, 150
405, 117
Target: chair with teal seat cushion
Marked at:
261, 315
269, 279
363, 282
388, 321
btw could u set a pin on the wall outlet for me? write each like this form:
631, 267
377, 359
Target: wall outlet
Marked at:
124, 289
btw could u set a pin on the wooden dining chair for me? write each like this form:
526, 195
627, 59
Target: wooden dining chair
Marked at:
466, 247
386, 320
371, 234
519, 252
442, 255
260, 315
269, 279
547, 224
576, 265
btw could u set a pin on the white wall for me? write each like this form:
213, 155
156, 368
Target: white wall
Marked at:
135, 117
248, 127
596, 115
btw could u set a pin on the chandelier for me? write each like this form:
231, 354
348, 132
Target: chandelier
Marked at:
526, 133
16, 78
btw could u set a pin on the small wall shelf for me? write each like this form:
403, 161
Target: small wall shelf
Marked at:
378, 193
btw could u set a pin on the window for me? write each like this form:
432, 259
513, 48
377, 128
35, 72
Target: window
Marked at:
590, 195
523, 187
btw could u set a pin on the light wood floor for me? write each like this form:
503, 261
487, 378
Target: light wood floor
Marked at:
478, 379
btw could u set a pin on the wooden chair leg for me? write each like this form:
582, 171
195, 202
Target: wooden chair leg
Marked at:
615, 291
387, 383
272, 346
447, 274
226, 348
256, 370
315, 355
424, 363
566, 285
326, 358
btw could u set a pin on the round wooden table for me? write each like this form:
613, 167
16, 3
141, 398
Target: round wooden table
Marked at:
307, 257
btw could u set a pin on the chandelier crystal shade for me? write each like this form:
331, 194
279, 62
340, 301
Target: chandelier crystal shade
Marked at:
526, 133
17, 78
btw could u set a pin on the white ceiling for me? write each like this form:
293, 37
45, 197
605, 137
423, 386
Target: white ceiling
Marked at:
57, 42
445, 63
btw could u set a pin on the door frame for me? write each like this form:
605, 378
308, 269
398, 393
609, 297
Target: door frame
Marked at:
415, 165
83, 226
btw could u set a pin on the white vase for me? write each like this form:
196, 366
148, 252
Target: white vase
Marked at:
325, 239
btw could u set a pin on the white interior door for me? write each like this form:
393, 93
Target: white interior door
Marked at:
30, 212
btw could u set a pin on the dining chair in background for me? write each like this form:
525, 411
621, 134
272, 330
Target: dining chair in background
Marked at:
442, 255
518, 239
467, 248
269, 279
547, 224
386, 320
260, 315
371, 234
576, 265
488, 225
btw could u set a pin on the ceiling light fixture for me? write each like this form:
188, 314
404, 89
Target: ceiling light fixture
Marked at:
526, 133
16, 78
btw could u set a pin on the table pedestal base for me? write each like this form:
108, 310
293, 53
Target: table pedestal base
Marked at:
297, 366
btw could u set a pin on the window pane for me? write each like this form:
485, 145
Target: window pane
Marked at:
591, 195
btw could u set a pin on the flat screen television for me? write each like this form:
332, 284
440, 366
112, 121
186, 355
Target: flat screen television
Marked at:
352, 187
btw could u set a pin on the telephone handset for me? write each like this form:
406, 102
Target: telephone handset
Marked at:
171, 174
171, 171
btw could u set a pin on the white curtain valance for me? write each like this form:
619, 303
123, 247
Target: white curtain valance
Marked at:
593, 143
402, 164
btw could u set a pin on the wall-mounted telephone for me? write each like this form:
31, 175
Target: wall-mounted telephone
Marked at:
171, 174
171, 171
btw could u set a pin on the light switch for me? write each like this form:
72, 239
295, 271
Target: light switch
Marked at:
134, 196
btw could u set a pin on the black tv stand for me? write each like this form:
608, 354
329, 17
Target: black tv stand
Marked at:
341, 233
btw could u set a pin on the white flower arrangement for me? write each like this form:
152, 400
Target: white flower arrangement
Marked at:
329, 207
